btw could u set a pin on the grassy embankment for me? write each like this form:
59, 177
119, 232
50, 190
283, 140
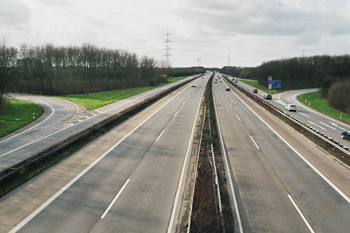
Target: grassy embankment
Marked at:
314, 100
18, 114
95, 100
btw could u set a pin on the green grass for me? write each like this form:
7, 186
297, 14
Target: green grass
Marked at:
99, 99
17, 114
95, 100
314, 100
254, 83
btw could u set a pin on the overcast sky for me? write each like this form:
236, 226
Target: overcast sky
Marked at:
210, 33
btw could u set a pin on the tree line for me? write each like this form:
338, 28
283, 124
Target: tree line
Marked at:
329, 73
60, 70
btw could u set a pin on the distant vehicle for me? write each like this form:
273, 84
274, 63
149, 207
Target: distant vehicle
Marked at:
268, 97
233, 79
345, 134
227, 89
236, 81
255, 91
290, 107
215, 81
193, 85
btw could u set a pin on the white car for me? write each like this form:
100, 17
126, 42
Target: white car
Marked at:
193, 85
290, 107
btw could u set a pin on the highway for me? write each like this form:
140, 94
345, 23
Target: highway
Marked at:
60, 120
280, 181
325, 124
129, 180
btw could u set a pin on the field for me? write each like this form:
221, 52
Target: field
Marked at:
18, 114
314, 100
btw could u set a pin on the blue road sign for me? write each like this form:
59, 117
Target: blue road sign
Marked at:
275, 83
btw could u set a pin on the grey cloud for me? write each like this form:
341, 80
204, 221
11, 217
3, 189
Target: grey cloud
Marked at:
14, 15
272, 17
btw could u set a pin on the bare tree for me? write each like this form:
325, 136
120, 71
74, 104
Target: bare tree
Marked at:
8, 59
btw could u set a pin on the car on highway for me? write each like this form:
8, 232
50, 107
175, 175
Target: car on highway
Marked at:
268, 97
193, 85
345, 134
290, 107
255, 90
227, 89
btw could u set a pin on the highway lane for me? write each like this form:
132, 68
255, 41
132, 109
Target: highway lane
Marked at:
133, 185
325, 124
67, 119
276, 190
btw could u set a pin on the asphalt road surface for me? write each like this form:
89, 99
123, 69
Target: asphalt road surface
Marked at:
282, 182
60, 120
132, 182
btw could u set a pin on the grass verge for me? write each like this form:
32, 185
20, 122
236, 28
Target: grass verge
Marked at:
17, 114
314, 100
98, 99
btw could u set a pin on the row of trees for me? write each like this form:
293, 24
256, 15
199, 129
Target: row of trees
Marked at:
68, 70
329, 73
52, 70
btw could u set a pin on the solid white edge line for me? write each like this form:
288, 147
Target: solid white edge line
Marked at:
53, 111
301, 214
159, 135
181, 180
228, 173
51, 199
254, 142
115, 199
292, 148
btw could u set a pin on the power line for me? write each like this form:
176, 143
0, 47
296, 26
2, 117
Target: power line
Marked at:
167, 48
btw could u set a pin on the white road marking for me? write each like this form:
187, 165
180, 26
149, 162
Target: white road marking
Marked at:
335, 125
115, 199
317, 125
98, 111
303, 114
159, 136
176, 113
238, 118
254, 142
301, 214
230, 105
327, 125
